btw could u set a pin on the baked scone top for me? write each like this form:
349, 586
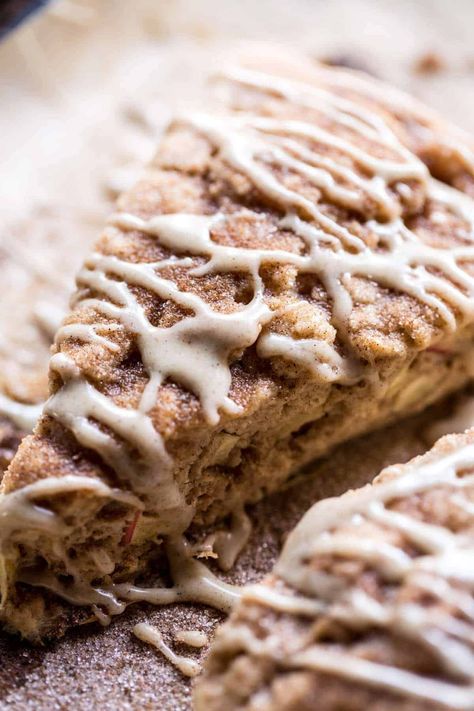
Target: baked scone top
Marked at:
295, 234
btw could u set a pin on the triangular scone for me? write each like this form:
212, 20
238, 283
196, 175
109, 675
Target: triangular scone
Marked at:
286, 276
370, 605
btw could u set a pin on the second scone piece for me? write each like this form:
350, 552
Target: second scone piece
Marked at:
370, 605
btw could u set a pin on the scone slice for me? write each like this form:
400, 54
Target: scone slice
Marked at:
287, 275
370, 605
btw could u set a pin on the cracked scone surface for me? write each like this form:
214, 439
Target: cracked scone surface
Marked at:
287, 275
370, 604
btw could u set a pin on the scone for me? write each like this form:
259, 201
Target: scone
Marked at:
370, 606
287, 275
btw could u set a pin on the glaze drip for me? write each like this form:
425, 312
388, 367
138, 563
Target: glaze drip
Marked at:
150, 634
192, 638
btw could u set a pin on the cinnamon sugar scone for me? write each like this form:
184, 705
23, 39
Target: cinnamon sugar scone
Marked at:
369, 607
287, 275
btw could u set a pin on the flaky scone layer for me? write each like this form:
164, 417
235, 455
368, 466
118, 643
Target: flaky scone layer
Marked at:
288, 274
370, 605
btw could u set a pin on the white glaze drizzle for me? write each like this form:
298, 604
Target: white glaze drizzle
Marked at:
228, 543
442, 567
455, 138
77, 401
193, 582
320, 77
149, 634
346, 113
388, 678
192, 638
